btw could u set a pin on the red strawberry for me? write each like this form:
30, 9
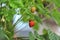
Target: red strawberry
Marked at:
31, 23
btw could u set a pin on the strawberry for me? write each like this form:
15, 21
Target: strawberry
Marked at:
31, 23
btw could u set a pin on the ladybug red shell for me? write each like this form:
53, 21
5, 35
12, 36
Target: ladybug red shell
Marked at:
31, 23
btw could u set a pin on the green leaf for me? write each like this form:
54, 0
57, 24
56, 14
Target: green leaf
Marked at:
38, 37
53, 36
36, 26
37, 18
2, 34
57, 3
40, 9
2, 1
31, 37
44, 31
56, 16
16, 3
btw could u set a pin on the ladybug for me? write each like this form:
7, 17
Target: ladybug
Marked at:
31, 23
33, 9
